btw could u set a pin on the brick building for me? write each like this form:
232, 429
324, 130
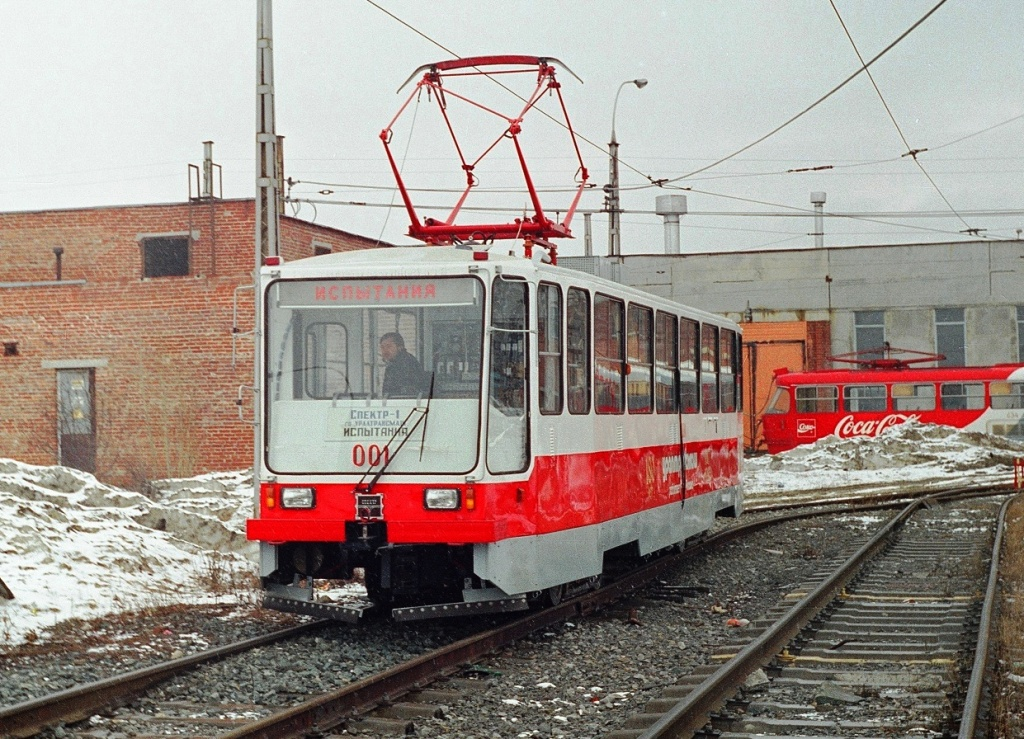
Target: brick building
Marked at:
124, 334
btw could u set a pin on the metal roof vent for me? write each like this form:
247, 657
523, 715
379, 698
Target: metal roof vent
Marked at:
670, 207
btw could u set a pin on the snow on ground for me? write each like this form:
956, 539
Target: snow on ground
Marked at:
905, 458
72, 547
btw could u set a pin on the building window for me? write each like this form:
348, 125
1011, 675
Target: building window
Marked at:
321, 249
869, 329
165, 256
951, 336
1020, 333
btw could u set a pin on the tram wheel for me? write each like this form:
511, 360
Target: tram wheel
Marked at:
554, 594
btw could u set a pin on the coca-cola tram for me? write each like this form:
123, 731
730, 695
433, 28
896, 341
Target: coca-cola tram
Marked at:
558, 419
807, 406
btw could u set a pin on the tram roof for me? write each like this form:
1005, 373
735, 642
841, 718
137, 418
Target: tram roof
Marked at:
910, 374
406, 261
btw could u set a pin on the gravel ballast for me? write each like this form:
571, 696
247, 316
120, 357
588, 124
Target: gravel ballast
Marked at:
581, 679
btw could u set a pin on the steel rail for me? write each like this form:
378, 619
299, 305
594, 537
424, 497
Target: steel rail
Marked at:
693, 712
869, 501
972, 701
77, 703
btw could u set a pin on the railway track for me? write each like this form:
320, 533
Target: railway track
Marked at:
892, 642
397, 695
81, 702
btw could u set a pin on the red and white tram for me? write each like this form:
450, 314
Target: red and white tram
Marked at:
808, 406
560, 418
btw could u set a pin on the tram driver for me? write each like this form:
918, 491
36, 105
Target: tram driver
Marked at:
403, 374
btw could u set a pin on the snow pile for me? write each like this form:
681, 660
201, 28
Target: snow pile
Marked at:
72, 547
908, 457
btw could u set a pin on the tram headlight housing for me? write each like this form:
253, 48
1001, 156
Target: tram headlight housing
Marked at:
442, 499
298, 497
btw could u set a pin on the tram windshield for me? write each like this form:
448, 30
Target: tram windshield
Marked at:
780, 401
351, 366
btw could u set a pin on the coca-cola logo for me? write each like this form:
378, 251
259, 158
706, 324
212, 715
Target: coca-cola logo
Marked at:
848, 425
805, 427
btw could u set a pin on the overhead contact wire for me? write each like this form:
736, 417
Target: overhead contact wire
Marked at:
820, 100
911, 152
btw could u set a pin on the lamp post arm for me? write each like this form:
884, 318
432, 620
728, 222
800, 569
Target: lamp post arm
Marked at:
613, 175
615, 106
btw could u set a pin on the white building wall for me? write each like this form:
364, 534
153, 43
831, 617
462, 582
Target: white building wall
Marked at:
908, 282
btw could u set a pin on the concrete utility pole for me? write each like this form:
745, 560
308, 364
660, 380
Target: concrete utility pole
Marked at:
267, 185
267, 214
614, 245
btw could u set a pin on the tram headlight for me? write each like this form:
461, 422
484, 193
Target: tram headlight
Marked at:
441, 499
298, 497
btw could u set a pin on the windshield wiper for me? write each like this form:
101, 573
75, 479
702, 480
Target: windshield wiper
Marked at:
426, 412
387, 455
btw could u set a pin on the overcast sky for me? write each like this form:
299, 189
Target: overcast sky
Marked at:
107, 103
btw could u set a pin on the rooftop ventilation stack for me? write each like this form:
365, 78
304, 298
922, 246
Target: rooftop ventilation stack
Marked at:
670, 207
207, 169
818, 201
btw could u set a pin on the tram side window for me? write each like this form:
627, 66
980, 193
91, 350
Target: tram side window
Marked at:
728, 375
665, 336
639, 356
325, 373
549, 342
962, 396
508, 418
864, 398
817, 399
577, 350
609, 354
509, 368
1007, 395
709, 368
911, 397
689, 367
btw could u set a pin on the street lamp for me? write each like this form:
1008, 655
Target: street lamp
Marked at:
613, 177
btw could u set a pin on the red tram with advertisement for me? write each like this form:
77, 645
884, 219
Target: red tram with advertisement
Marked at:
885, 392
557, 419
